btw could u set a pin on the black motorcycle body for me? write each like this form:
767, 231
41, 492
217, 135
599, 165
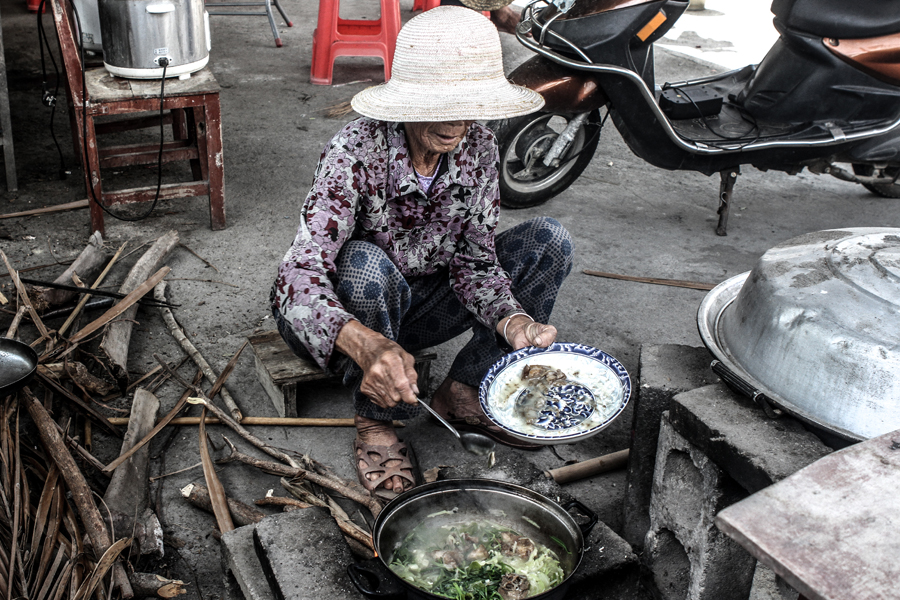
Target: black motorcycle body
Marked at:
827, 93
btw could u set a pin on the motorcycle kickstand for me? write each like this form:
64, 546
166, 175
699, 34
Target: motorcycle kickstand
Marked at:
726, 186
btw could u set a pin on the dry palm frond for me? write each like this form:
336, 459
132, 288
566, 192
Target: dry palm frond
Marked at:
41, 551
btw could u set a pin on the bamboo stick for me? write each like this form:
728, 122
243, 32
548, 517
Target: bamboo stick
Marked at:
589, 468
48, 209
694, 285
273, 421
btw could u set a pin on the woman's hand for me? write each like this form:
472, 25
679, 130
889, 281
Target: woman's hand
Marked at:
521, 331
389, 375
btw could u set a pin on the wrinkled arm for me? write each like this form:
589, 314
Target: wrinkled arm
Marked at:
303, 291
389, 375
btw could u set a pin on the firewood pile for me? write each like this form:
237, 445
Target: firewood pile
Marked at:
73, 527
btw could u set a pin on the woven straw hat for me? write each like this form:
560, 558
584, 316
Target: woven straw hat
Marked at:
486, 4
447, 67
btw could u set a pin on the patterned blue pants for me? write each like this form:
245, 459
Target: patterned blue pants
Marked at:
421, 312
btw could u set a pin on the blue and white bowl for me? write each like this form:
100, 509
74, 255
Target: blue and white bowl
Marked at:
597, 391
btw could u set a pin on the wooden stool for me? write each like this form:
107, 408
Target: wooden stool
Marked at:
335, 37
194, 113
279, 370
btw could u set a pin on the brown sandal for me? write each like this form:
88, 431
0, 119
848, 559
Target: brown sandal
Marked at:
375, 458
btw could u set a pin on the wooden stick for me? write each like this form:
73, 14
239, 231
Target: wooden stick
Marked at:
351, 530
88, 409
267, 466
274, 421
164, 475
670, 282
159, 426
14, 326
86, 266
208, 264
117, 337
589, 468
151, 585
48, 209
23, 295
96, 284
217, 498
218, 386
78, 487
280, 501
243, 514
191, 350
123, 305
82, 452
129, 489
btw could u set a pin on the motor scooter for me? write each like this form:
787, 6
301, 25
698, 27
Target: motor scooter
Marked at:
827, 94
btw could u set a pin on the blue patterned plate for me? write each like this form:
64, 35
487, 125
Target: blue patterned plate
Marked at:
596, 390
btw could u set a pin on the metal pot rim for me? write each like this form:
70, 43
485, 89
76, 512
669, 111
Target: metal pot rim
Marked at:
709, 316
419, 493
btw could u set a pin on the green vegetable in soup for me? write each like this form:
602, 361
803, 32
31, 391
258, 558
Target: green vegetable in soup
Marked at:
476, 561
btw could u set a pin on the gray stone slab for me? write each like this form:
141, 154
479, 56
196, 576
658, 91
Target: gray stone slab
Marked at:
240, 559
609, 568
665, 370
735, 434
305, 556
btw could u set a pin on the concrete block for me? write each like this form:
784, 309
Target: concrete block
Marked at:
304, 555
665, 370
769, 586
733, 432
242, 564
686, 554
609, 569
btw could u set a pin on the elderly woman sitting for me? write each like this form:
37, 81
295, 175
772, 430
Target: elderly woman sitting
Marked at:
397, 248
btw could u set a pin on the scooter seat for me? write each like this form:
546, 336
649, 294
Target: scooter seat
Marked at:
840, 19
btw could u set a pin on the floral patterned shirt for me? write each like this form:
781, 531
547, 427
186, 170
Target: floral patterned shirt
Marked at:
365, 188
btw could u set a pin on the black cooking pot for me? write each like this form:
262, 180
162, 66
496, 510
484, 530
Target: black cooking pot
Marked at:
513, 506
18, 363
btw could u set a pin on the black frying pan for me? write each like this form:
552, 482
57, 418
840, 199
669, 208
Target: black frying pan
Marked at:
18, 363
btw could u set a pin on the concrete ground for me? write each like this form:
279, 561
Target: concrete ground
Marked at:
626, 217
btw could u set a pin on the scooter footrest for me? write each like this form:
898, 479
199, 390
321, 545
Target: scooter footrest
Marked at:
693, 103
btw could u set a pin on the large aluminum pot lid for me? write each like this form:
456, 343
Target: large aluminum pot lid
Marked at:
815, 326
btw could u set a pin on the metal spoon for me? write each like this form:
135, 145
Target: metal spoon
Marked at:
475, 443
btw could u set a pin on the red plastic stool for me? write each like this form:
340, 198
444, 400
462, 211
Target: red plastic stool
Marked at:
335, 37
424, 5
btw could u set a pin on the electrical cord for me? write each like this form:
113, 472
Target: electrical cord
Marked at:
48, 99
164, 62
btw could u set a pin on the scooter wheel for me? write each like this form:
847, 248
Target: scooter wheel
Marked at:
885, 190
524, 178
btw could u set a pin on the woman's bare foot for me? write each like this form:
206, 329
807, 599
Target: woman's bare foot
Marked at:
456, 400
380, 433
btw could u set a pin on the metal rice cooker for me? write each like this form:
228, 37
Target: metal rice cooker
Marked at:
814, 329
136, 34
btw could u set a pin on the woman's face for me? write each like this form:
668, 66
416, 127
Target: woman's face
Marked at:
437, 137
